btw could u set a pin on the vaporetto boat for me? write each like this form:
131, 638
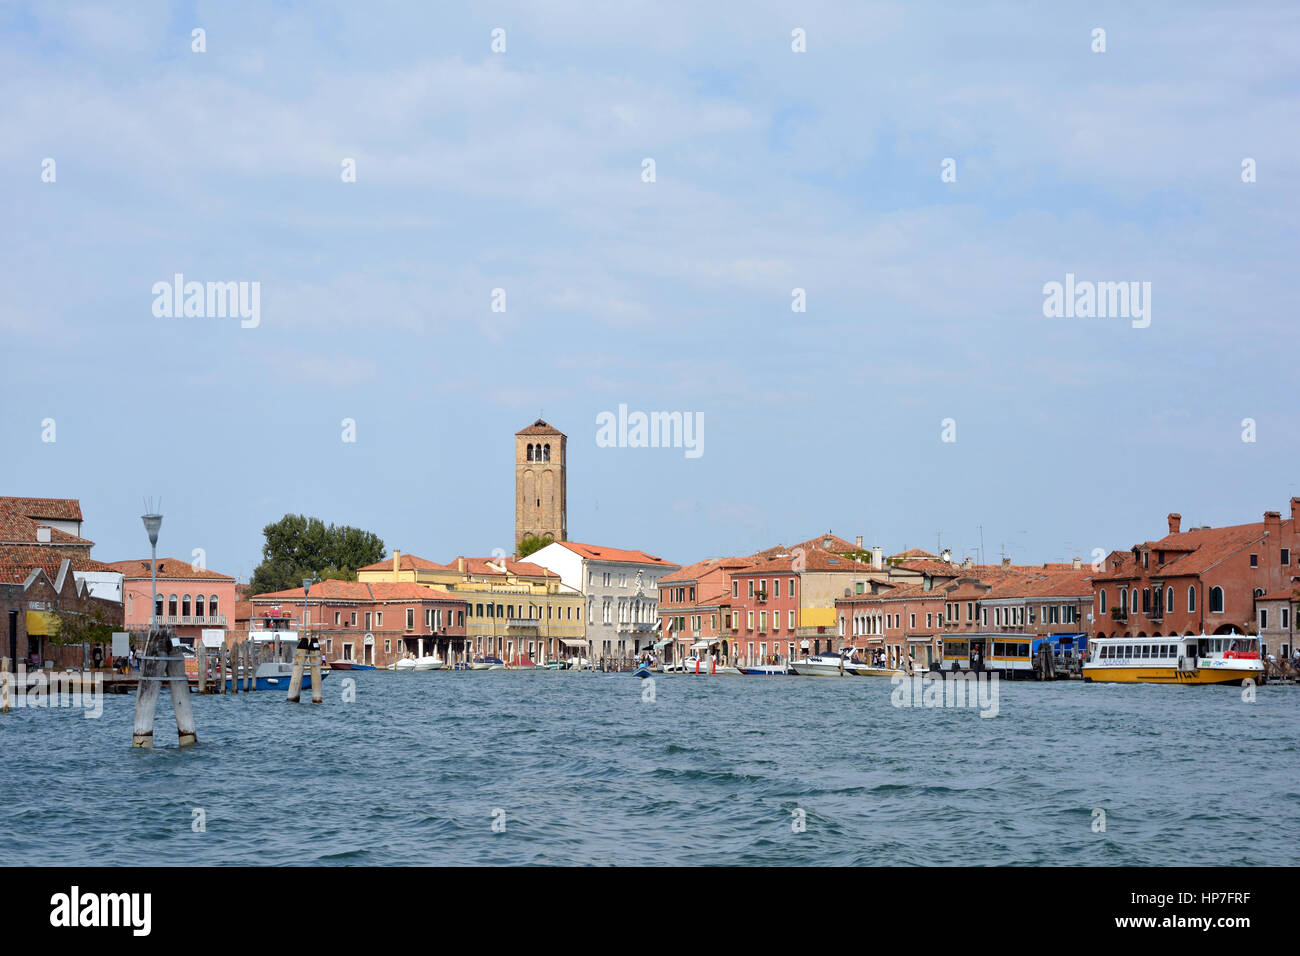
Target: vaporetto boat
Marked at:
1203, 659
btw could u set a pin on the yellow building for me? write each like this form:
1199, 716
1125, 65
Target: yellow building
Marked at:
516, 609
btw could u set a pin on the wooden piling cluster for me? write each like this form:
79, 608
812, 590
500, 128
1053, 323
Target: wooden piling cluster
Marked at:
162, 663
308, 650
234, 664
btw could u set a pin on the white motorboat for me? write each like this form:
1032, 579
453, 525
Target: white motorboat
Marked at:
429, 662
822, 665
405, 664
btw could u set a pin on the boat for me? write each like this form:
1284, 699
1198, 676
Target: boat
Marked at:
869, 670
768, 670
405, 664
642, 672
1200, 659
556, 665
275, 675
521, 663
429, 662
341, 665
487, 664
829, 664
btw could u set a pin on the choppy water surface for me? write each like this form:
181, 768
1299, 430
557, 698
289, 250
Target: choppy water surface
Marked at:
711, 772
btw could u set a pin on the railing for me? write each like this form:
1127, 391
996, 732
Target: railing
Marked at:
532, 622
218, 620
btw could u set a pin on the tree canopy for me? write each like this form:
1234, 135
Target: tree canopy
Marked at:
299, 547
531, 542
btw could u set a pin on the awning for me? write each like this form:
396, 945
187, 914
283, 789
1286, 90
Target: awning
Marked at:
702, 645
919, 640
660, 645
573, 641
42, 623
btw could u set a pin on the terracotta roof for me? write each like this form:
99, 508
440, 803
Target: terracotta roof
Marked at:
407, 562
836, 544
361, 591
168, 568
693, 572
914, 553
25, 556
57, 509
1194, 552
540, 427
17, 528
600, 553
814, 559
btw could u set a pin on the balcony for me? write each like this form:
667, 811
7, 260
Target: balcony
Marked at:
174, 620
523, 622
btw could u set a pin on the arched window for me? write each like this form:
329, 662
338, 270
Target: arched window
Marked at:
171, 605
198, 605
1103, 600
1135, 600
1169, 600
1123, 599
1191, 599
546, 453
530, 452
185, 606
1216, 600
212, 606
157, 605
1259, 592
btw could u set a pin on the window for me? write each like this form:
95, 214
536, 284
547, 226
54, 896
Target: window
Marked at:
185, 606
158, 605
1102, 598
792, 620
750, 624
379, 619
337, 618
428, 618
1216, 600
911, 621
929, 620
369, 616
410, 618
198, 605
1191, 599
1263, 618
1286, 557
735, 589
1169, 599
790, 590
762, 621
1135, 600
1286, 618
1254, 560
751, 587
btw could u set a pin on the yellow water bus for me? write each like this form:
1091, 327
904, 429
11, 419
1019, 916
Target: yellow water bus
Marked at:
1204, 659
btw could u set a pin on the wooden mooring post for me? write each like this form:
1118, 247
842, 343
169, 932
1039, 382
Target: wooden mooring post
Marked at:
6, 685
162, 662
308, 649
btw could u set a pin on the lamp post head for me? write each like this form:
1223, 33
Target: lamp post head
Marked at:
306, 586
151, 524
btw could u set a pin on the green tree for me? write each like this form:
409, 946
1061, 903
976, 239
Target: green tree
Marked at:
84, 627
299, 547
531, 542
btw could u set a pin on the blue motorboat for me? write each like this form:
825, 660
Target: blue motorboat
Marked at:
643, 671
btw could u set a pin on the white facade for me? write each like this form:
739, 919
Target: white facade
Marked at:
622, 598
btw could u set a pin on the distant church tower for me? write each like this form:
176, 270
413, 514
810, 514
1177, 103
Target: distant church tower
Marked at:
540, 502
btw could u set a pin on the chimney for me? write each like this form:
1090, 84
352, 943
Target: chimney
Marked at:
1076, 563
1272, 523
397, 561
1175, 522
1006, 562
1295, 510
460, 565
946, 556
42, 534
967, 562
877, 557
859, 542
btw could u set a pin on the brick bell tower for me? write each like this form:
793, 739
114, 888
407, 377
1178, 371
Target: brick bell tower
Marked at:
540, 498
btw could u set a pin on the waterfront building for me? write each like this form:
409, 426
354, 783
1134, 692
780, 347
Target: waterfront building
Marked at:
621, 590
372, 622
1237, 579
513, 608
541, 508
695, 610
784, 602
190, 599
31, 598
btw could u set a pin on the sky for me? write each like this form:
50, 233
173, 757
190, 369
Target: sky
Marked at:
921, 399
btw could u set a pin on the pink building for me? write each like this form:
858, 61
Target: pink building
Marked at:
189, 598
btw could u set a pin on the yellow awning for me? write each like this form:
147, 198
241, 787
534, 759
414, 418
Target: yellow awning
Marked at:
42, 623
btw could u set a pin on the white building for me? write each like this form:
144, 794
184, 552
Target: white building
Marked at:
621, 589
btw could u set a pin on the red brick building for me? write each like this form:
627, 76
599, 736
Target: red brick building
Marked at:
1204, 581
374, 622
695, 608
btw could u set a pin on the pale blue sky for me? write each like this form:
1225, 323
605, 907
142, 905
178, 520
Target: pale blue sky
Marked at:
775, 170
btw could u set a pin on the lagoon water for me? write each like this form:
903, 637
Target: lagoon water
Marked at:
713, 771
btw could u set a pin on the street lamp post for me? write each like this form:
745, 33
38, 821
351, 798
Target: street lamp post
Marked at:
160, 664
152, 522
